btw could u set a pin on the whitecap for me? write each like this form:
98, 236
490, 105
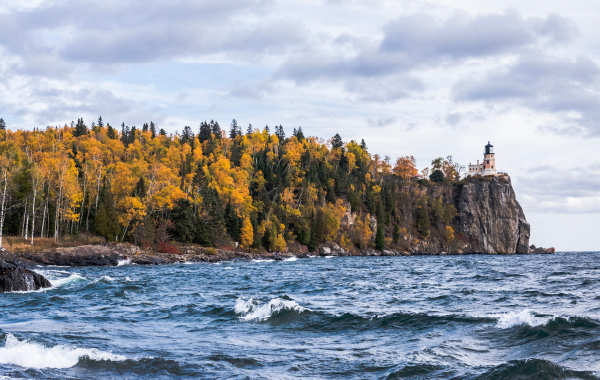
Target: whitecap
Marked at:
33, 355
516, 318
262, 260
56, 282
105, 278
293, 258
251, 310
125, 261
329, 257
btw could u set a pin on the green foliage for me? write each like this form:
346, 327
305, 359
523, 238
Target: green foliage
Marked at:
437, 176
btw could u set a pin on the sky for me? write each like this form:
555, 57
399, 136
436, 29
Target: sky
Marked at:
411, 77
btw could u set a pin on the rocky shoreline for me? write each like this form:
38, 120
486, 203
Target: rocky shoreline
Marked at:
14, 275
121, 253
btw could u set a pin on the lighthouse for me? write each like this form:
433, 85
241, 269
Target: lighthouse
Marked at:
488, 166
489, 160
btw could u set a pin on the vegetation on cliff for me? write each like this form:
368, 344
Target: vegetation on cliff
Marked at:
263, 190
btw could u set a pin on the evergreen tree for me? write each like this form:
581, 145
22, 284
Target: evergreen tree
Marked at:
336, 141
100, 122
153, 129
299, 134
280, 133
80, 128
2, 124
110, 132
235, 130
249, 130
162, 132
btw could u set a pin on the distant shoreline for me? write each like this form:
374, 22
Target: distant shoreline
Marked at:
121, 254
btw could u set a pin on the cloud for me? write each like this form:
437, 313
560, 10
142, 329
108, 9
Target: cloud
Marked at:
114, 31
565, 190
564, 87
413, 43
425, 39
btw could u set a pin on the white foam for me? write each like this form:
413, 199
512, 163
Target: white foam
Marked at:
293, 258
262, 260
65, 280
34, 355
125, 261
251, 310
516, 318
105, 278
329, 257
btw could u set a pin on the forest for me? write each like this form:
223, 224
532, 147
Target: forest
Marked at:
256, 189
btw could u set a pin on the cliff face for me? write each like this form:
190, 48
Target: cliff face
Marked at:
489, 218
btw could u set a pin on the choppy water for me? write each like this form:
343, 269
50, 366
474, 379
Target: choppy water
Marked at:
391, 317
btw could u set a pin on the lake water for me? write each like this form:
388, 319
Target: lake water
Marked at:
354, 317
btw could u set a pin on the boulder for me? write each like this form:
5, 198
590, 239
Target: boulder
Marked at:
15, 277
540, 250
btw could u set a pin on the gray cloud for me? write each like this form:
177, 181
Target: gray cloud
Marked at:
143, 30
564, 190
413, 41
548, 84
424, 38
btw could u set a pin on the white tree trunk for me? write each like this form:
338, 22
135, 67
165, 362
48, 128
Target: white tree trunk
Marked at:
33, 213
3, 206
57, 215
44, 218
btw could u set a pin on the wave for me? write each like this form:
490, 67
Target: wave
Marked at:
33, 355
65, 280
262, 260
251, 310
285, 310
293, 258
533, 368
144, 367
125, 261
516, 318
525, 318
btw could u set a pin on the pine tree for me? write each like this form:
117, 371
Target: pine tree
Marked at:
110, 132
2, 124
153, 129
80, 128
336, 141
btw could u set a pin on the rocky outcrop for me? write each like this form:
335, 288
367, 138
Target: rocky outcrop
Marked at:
540, 250
15, 277
86, 255
489, 218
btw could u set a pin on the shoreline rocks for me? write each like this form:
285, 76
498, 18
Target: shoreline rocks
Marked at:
14, 277
539, 250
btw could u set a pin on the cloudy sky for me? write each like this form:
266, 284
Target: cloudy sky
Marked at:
428, 78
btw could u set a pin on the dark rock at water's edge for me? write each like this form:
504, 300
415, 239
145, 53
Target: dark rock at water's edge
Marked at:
15, 277
540, 250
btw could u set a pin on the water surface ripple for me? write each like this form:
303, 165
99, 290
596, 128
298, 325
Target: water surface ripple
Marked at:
474, 317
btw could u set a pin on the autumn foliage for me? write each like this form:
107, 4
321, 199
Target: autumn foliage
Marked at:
202, 186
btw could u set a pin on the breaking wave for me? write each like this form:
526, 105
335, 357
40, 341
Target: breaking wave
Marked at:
125, 261
251, 310
33, 355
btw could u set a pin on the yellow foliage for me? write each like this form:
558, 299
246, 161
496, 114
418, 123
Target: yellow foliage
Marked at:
247, 233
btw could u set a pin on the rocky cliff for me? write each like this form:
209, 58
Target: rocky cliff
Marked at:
489, 218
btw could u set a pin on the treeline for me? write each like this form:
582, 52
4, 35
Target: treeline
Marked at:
259, 188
